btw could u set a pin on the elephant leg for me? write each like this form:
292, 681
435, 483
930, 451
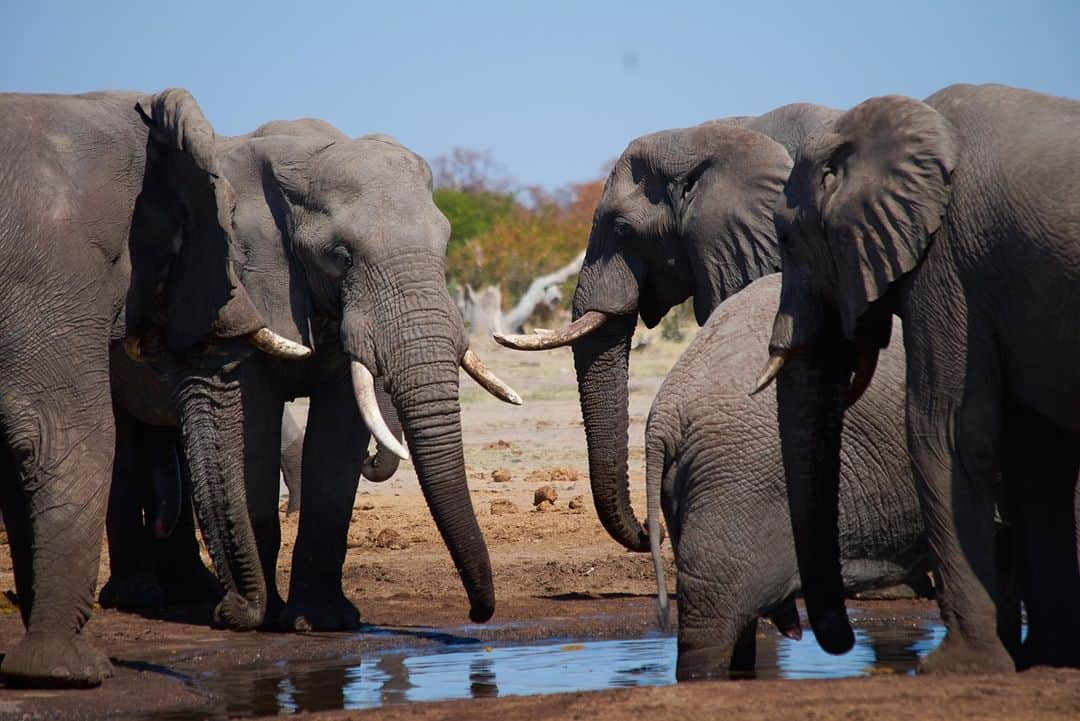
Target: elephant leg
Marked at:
132, 584
1040, 473
263, 408
183, 577
954, 426
59, 454
744, 657
335, 446
292, 458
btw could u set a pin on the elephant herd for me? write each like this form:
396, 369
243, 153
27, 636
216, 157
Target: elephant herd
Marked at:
910, 271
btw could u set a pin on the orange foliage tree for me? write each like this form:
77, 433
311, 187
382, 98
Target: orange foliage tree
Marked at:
535, 237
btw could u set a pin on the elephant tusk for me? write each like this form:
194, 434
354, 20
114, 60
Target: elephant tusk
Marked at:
364, 388
488, 380
580, 328
278, 346
771, 370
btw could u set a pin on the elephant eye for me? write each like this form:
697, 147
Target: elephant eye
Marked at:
622, 228
342, 255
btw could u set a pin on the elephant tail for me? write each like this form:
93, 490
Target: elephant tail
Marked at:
654, 472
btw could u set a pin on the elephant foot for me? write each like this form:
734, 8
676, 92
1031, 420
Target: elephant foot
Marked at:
131, 593
959, 656
238, 613
50, 661
331, 612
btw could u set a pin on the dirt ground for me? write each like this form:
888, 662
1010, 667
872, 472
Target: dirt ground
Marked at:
557, 575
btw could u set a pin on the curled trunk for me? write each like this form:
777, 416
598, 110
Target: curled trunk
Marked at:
211, 424
602, 363
811, 393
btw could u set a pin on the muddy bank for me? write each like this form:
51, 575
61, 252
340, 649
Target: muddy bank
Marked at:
557, 576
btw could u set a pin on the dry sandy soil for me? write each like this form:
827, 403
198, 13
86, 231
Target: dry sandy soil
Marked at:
557, 575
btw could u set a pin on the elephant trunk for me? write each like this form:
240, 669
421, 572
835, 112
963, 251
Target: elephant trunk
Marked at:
811, 394
423, 383
211, 424
602, 363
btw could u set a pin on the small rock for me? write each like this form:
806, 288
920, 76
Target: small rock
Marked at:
577, 503
545, 505
501, 475
367, 506
389, 538
497, 445
545, 493
502, 507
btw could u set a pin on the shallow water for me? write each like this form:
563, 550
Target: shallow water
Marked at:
472, 670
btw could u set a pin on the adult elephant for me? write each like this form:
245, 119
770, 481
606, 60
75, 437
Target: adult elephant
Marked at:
341, 248
714, 465
83, 178
960, 214
684, 213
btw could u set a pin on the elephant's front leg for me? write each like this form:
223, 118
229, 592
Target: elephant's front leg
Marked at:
55, 486
334, 449
263, 408
954, 429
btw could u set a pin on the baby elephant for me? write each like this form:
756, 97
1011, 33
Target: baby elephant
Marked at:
714, 463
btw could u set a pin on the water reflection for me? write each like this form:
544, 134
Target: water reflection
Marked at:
430, 675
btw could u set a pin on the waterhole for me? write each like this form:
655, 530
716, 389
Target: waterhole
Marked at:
476, 670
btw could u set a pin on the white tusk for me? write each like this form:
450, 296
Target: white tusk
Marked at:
278, 346
490, 382
769, 373
580, 328
364, 388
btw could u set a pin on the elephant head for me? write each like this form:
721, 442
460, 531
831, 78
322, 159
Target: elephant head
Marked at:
342, 243
684, 213
185, 298
865, 197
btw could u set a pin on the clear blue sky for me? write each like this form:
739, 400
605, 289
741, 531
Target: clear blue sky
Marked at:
552, 89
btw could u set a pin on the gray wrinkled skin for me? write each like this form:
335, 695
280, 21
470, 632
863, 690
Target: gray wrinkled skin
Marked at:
714, 464
81, 180
960, 214
685, 212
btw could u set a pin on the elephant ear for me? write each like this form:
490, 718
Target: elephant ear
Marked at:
181, 242
725, 211
885, 189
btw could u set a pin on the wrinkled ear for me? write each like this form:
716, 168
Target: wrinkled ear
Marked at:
182, 273
885, 188
725, 211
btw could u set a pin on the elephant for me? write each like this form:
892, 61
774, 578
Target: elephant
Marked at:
153, 553
961, 215
82, 182
340, 247
714, 466
684, 213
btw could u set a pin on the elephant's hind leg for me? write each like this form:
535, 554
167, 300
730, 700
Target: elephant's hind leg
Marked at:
1040, 473
59, 445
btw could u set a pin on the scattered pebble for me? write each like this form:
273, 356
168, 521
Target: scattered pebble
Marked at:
556, 474
389, 538
545, 493
367, 506
577, 503
545, 505
501, 475
497, 445
502, 507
